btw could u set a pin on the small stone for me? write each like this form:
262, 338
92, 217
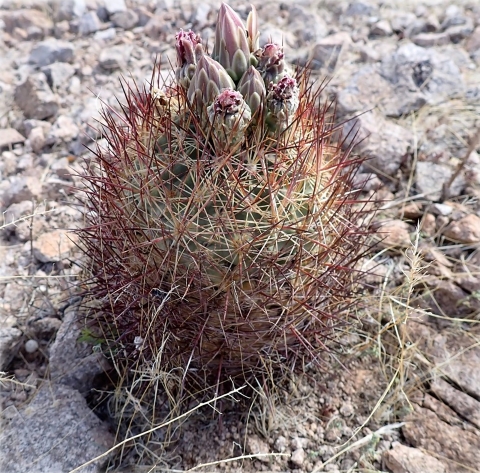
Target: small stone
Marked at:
31, 346
115, 57
401, 21
105, 35
35, 98
63, 130
360, 9
26, 19
460, 32
9, 137
89, 23
394, 234
200, 15
347, 409
127, 19
466, 230
281, 444
381, 28
412, 211
58, 74
473, 43
298, 457
428, 224
8, 338
114, 6
54, 246
255, 445
328, 51
431, 177
402, 459
428, 40
50, 51
70, 9
442, 209
37, 139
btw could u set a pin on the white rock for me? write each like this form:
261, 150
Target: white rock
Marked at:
9, 137
298, 457
31, 346
114, 6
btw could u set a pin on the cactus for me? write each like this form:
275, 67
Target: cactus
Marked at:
222, 225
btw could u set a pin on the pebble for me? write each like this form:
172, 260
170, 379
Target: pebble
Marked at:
58, 74
466, 230
89, 23
115, 57
51, 50
327, 52
9, 137
31, 346
298, 457
127, 19
35, 98
54, 246
428, 40
381, 28
115, 6
281, 444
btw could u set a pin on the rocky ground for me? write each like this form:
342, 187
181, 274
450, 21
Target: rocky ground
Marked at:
404, 396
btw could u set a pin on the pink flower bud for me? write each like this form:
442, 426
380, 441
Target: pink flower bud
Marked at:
189, 48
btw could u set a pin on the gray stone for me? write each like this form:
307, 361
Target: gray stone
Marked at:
63, 130
72, 362
89, 23
58, 74
25, 19
298, 457
460, 32
9, 336
55, 433
127, 19
35, 98
114, 6
37, 139
360, 9
430, 178
328, 51
384, 143
419, 75
306, 24
428, 40
70, 9
401, 20
381, 28
31, 346
9, 137
200, 15
115, 57
105, 35
50, 51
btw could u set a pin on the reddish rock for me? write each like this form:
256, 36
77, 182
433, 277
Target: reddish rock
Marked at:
466, 230
402, 459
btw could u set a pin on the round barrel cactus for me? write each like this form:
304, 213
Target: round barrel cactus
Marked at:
223, 228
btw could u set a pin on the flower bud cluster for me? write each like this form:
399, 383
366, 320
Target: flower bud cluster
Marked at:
240, 85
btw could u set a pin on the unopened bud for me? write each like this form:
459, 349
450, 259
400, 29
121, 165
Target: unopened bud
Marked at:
231, 47
252, 30
282, 103
252, 87
270, 62
229, 116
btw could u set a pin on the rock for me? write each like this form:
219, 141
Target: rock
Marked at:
428, 40
255, 445
402, 459
428, 225
31, 346
401, 21
446, 298
431, 177
127, 19
281, 444
89, 23
58, 74
105, 35
394, 234
55, 432
37, 139
425, 430
298, 457
473, 43
115, 57
70, 9
73, 362
9, 336
460, 32
200, 15
53, 246
10, 137
32, 123
307, 25
63, 130
381, 28
35, 98
26, 19
51, 50
383, 143
463, 404
360, 9
418, 76
466, 230
328, 51
442, 209
115, 6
